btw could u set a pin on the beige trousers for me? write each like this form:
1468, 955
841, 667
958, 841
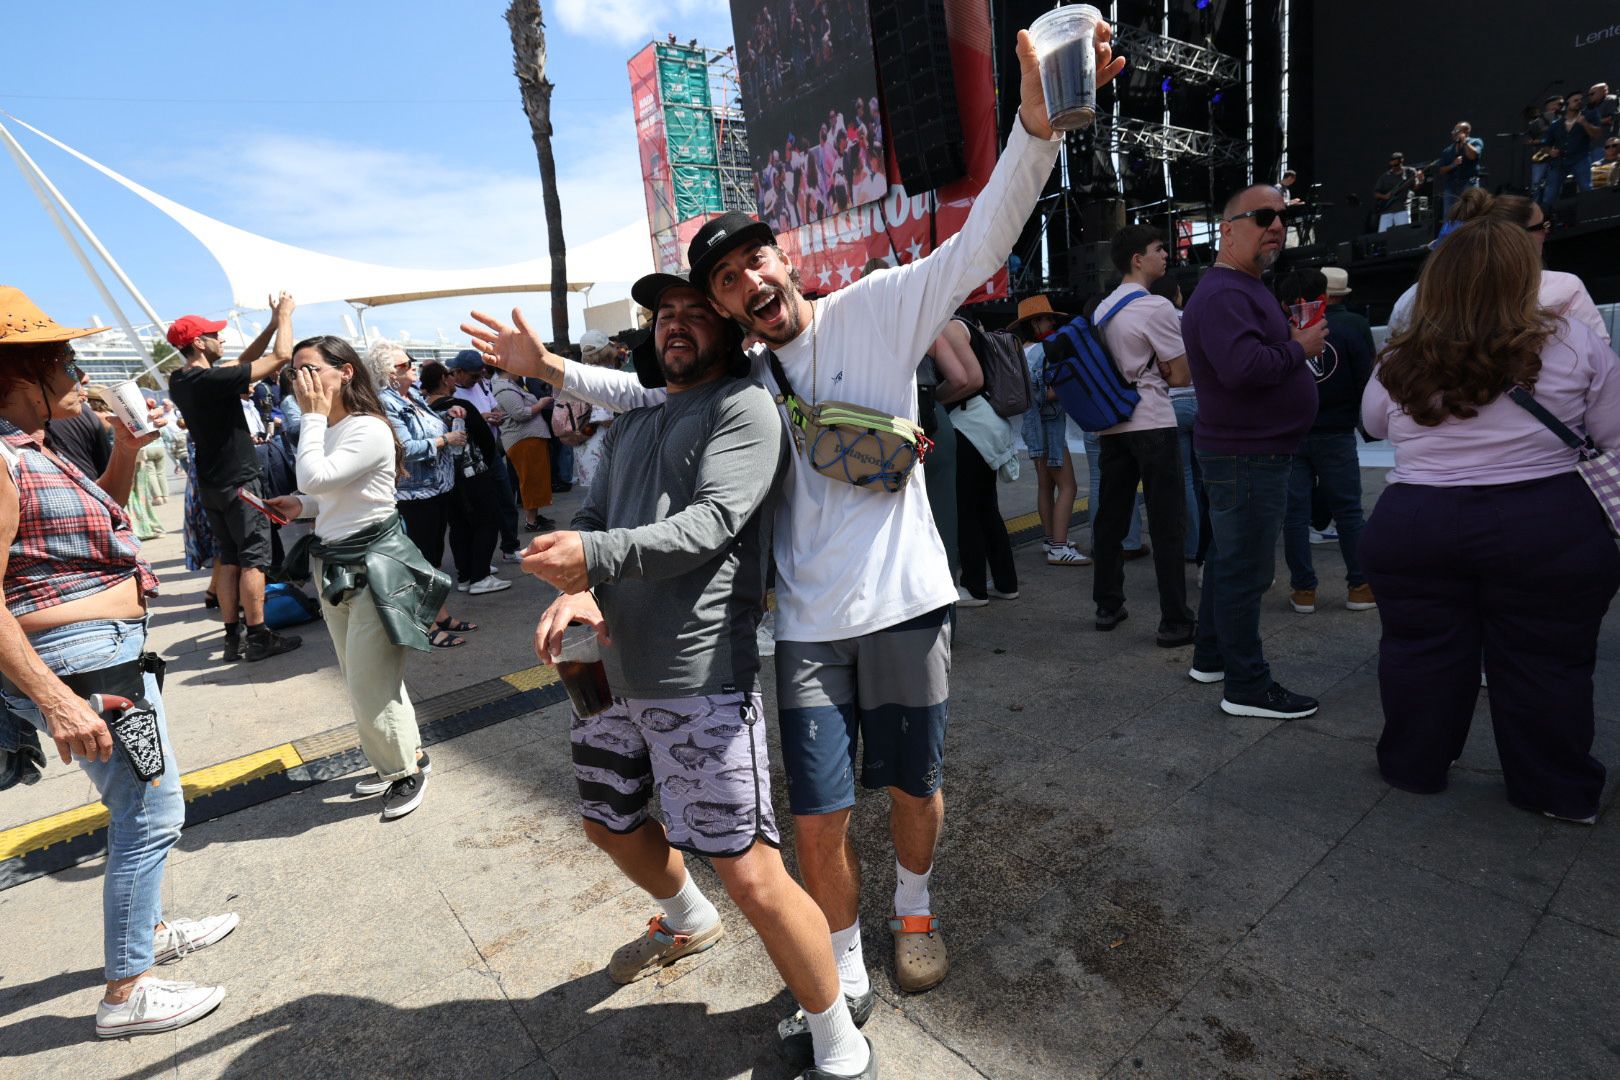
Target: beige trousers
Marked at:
373, 667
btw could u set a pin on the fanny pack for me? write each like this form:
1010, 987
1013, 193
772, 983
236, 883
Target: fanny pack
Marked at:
135, 730
852, 443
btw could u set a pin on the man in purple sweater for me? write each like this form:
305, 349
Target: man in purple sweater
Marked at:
1256, 400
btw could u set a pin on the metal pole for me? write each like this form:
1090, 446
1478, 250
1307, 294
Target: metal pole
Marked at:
1248, 80
95, 242
30, 173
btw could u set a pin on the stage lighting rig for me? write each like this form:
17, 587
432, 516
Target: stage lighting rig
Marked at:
1192, 64
1165, 142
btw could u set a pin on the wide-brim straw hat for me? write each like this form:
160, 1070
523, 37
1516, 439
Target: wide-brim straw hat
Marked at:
23, 323
1033, 306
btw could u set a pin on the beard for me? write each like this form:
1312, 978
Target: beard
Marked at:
692, 368
778, 333
1267, 259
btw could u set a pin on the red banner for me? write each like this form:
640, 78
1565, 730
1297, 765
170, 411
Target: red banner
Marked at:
653, 142
902, 228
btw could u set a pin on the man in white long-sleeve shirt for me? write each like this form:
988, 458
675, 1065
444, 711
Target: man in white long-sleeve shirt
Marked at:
863, 587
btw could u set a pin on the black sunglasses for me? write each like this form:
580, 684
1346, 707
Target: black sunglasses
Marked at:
1545, 225
1264, 217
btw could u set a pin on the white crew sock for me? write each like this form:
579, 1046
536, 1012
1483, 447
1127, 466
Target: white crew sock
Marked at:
688, 911
911, 891
846, 947
840, 1049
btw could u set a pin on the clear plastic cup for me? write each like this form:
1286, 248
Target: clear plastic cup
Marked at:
579, 667
1064, 40
128, 402
1303, 313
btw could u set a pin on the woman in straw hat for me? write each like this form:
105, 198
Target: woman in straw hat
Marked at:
74, 625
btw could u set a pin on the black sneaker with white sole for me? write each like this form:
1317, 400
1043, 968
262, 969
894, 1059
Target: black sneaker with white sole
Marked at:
793, 1034
404, 795
1272, 703
1207, 674
372, 784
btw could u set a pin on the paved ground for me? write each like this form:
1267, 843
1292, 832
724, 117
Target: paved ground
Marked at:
1132, 886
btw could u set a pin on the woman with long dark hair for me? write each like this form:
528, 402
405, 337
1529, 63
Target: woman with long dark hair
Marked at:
474, 527
1487, 543
378, 594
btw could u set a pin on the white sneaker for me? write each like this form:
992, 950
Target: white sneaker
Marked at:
967, 599
999, 595
508, 557
489, 585
462, 586
157, 1005
1329, 535
1065, 555
180, 937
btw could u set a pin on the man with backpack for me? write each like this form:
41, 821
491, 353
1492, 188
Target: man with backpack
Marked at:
1143, 335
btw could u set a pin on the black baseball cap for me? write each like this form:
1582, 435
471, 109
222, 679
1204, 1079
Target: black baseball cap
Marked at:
724, 234
647, 292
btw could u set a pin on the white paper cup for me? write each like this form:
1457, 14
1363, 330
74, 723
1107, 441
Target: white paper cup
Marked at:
128, 402
1063, 40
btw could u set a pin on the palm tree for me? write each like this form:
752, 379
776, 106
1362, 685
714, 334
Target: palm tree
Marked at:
529, 65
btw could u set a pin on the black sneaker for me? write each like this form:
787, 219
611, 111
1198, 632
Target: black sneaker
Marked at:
793, 1034
1172, 637
404, 795
372, 784
260, 646
1107, 620
868, 1073
1273, 703
233, 642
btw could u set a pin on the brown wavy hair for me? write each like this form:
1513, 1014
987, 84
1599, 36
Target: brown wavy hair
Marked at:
1477, 328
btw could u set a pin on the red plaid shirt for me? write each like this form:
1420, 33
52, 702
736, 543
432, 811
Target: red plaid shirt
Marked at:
72, 539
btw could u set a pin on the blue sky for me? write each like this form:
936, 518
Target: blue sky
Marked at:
385, 132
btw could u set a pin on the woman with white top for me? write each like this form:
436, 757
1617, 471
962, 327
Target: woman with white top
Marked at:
1487, 542
378, 595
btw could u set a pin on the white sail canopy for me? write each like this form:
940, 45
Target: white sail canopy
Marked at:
257, 266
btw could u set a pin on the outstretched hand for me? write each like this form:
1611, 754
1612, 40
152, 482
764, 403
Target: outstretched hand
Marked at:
516, 349
558, 559
1032, 97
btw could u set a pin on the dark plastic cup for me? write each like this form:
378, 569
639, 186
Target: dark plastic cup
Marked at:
579, 667
1064, 40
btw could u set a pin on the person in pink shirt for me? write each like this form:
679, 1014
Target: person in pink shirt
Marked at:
1487, 542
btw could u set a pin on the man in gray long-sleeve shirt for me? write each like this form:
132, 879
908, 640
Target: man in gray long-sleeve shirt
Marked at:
674, 537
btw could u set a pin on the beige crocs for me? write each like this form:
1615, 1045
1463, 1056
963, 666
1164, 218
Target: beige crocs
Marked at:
658, 948
920, 962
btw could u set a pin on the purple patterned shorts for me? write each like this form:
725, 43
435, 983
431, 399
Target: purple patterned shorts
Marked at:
706, 757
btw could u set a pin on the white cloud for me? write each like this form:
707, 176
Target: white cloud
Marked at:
631, 22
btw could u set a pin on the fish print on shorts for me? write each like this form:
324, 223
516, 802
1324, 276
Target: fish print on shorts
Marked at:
681, 786
716, 819
664, 721
693, 756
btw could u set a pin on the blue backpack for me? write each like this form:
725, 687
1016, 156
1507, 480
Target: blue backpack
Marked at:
1084, 377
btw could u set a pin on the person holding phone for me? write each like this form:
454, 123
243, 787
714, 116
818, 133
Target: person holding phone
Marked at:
378, 594
74, 624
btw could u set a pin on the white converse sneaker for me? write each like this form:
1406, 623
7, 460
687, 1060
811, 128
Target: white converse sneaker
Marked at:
157, 1005
180, 937
488, 585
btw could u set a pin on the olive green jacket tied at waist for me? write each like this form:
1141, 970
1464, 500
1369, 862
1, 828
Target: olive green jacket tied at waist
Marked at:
408, 592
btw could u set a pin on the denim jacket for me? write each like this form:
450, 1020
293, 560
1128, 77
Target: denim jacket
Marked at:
1042, 410
429, 470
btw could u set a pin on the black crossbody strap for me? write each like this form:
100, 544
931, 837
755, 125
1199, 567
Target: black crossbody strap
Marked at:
788, 399
1529, 404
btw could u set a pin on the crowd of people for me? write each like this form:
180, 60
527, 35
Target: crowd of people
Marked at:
707, 475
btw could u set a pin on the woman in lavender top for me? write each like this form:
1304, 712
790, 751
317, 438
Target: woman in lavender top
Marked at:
1487, 544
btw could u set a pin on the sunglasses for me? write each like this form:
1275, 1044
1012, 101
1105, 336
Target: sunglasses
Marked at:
1541, 226
74, 371
1264, 217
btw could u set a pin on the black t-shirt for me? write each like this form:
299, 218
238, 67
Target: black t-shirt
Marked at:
210, 400
83, 440
1342, 371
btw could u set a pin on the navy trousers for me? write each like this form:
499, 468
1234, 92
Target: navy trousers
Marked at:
1519, 576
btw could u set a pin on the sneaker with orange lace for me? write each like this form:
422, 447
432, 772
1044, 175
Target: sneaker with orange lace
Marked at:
658, 948
920, 962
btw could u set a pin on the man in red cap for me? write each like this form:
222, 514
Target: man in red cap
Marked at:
208, 390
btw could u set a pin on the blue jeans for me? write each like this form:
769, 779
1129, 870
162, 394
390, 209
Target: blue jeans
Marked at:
145, 818
1247, 494
1540, 179
1133, 535
1326, 460
1186, 407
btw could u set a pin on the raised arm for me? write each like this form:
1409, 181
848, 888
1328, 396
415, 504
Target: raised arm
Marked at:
519, 350
281, 308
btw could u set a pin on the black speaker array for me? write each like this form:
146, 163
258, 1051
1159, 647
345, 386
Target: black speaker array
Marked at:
914, 68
